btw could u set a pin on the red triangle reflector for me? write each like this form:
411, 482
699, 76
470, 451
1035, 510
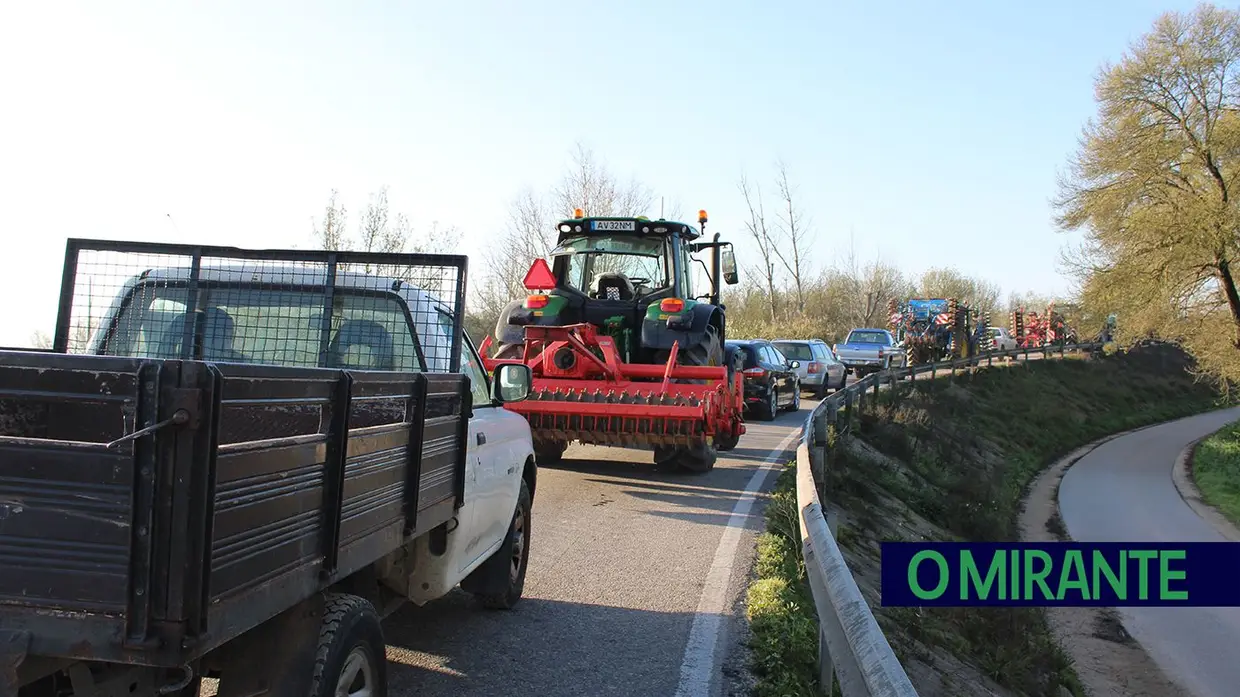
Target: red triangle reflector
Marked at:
539, 277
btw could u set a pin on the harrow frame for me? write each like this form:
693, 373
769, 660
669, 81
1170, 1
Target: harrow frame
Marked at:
583, 391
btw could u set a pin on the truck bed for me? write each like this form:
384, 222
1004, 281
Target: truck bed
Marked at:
160, 548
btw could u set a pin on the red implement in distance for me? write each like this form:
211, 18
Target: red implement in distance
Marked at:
583, 392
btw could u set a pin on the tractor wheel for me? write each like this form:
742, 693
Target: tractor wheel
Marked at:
510, 351
701, 457
549, 453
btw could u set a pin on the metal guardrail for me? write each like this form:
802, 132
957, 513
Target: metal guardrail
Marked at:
852, 647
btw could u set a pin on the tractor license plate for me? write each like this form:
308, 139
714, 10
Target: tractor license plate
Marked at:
623, 225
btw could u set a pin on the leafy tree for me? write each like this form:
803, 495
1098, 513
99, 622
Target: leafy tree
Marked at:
1154, 186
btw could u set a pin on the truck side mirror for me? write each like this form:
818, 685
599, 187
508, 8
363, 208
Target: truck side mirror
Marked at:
512, 383
730, 276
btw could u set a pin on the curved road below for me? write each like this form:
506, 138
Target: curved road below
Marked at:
635, 584
1123, 492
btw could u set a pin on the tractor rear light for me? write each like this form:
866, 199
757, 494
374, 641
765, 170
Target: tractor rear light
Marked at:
671, 305
536, 302
754, 372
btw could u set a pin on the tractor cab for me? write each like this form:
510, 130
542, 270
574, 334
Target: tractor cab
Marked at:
615, 273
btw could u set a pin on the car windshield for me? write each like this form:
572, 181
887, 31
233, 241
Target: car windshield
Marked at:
592, 258
867, 337
795, 351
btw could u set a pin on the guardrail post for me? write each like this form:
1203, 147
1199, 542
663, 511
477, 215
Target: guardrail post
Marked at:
826, 669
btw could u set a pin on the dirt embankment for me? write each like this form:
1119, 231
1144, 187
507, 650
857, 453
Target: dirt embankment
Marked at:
953, 460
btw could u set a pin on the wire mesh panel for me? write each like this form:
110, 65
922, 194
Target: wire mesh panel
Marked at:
355, 310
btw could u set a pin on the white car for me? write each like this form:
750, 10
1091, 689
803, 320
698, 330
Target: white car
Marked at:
1001, 339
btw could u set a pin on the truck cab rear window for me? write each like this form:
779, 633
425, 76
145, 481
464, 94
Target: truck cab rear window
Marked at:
251, 324
868, 338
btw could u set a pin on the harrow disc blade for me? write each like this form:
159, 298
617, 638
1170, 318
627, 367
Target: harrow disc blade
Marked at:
632, 419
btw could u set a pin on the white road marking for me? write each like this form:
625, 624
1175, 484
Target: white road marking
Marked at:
698, 666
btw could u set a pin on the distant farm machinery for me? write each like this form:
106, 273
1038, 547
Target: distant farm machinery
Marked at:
1031, 330
934, 329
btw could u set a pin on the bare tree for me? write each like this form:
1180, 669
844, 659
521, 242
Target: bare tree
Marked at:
761, 233
794, 239
530, 232
380, 230
40, 339
331, 233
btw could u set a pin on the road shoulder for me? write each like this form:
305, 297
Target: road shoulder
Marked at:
1106, 658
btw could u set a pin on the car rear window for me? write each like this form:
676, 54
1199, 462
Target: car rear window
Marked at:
795, 351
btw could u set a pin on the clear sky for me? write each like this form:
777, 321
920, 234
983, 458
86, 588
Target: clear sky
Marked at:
933, 132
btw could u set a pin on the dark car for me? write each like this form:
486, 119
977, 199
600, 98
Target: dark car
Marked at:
771, 381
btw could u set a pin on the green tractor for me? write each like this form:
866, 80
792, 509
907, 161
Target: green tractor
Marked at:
634, 354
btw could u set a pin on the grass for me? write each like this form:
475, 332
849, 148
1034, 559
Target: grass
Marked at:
956, 457
1216, 469
779, 605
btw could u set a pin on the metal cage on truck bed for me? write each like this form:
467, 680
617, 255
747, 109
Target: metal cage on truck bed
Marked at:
154, 508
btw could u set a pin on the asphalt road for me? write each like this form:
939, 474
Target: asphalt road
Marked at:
635, 584
1123, 492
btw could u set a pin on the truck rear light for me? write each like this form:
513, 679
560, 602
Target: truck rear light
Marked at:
754, 372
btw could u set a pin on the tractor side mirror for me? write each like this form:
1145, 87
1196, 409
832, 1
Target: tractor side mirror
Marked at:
794, 364
512, 383
730, 276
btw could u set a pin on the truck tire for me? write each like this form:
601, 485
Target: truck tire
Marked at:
698, 458
499, 582
352, 654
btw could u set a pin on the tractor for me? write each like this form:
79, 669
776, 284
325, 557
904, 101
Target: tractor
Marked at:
622, 350
932, 329
1032, 330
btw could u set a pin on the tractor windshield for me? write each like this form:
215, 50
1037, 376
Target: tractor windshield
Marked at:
616, 268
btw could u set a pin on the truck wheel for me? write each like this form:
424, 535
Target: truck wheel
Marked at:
352, 655
500, 580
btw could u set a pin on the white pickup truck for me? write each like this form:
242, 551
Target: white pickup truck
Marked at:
272, 457
869, 351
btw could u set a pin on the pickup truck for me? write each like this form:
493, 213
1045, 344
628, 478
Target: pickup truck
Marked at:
241, 463
869, 351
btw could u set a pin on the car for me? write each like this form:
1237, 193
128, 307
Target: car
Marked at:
1002, 339
771, 380
869, 350
820, 370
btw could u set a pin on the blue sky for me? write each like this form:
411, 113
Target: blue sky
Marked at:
931, 132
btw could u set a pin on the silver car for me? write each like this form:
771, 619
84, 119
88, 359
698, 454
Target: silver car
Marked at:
820, 370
